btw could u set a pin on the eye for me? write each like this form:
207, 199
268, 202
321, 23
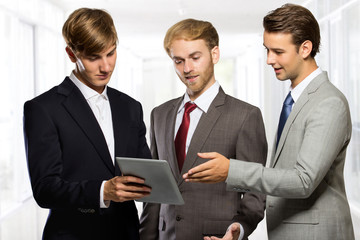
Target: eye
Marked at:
278, 51
177, 61
92, 58
111, 53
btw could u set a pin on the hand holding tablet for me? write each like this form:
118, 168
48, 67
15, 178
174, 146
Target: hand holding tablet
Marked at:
157, 175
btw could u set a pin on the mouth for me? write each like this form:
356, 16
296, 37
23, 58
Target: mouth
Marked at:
277, 70
191, 78
103, 76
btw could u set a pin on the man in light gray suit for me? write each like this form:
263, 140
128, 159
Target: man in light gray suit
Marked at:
305, 184
217, 122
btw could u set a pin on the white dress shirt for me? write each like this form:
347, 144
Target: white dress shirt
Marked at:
297, 91
100, 106
203, 103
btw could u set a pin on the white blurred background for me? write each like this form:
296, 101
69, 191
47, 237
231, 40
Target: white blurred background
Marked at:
33, 60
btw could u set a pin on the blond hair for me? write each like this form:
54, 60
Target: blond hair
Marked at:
89, 31
192, 29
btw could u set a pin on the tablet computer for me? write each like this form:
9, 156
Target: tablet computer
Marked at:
157, 175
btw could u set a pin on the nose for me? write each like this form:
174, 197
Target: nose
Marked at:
188, 66
270, 58
104, 65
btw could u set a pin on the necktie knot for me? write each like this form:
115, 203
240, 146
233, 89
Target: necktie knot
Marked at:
289, 100
189, 107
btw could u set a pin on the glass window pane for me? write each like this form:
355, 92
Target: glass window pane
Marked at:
351, 65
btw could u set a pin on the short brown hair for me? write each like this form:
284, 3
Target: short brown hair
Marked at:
296, 20
192, 29
89, 31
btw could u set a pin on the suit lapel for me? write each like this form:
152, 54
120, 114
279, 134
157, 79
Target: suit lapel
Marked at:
203, 129
79, 109
301, 102
304, 98
169, 137
120, 125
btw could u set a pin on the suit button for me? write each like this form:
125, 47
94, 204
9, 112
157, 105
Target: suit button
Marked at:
178, 218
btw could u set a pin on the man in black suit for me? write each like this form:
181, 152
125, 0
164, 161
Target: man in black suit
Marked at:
73, 133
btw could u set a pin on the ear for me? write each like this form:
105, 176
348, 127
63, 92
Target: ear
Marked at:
71, 54
305, 49
215, 54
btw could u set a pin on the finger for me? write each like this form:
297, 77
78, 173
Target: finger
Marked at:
204, 179
127, 196
131, 179
215, 238
199, 168
200, 174
208, 155
200, 180
131, 187
235, 228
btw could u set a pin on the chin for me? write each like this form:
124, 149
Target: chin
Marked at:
281, 78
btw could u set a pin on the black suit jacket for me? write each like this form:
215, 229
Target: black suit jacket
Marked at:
68, 159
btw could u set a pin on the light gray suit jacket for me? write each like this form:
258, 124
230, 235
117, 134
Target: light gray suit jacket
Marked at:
230, 127
305, 184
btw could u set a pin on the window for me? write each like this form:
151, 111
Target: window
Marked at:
31, 61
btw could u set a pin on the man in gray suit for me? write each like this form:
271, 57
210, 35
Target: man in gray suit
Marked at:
305, 185
219, 123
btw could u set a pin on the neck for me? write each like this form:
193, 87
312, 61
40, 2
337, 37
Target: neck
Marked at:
307, 69
195, 94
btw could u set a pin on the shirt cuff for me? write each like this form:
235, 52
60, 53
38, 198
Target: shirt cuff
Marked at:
242, 232
103, 204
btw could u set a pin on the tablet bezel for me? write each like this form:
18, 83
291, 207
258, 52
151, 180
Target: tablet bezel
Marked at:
157, 175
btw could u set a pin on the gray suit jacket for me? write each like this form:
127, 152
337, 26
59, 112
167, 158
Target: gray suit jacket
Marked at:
305, 183
230, 127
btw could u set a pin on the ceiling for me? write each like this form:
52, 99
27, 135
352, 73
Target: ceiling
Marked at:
141, 24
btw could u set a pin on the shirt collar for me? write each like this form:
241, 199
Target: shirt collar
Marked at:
297, 91
204, 100
85, 90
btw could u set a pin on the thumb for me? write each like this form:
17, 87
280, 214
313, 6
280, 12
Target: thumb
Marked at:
234, 228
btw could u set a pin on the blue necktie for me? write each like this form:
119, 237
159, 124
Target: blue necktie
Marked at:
285, 112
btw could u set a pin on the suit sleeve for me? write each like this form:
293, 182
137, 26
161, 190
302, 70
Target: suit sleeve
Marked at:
326, 133
44, 156
251, 146
149, 219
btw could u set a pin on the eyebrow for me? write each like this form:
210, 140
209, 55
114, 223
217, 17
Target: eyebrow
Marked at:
194, 53
190, 55
98, 54
113, 50
276, 49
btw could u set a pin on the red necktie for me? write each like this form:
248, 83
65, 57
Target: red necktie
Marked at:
180, 140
